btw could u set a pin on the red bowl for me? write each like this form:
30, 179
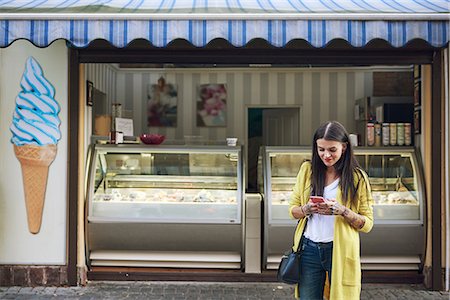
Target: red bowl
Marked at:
152, 139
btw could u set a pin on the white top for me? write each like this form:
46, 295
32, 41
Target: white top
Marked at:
320, 228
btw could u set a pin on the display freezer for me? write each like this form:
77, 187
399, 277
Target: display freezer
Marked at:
397, 240
165, 206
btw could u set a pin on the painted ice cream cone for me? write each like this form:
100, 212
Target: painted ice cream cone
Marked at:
35, 129
35, 161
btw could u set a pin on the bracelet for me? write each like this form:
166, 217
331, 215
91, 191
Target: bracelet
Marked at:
336, 208
345, 213
303, 211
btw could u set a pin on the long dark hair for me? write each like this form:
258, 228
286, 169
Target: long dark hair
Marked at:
345, 166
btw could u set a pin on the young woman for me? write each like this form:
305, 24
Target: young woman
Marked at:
330, 229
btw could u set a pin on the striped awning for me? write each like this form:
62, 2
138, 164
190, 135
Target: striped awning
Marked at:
237, 21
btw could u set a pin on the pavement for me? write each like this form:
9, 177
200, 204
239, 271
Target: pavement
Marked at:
204, 291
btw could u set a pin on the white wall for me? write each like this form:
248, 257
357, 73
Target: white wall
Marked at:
17, 244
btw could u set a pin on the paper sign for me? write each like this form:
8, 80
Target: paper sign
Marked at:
125, 126
356, 112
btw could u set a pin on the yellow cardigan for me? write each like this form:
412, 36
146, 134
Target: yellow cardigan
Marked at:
346, 269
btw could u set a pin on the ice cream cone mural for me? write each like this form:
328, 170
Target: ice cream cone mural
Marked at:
35, 129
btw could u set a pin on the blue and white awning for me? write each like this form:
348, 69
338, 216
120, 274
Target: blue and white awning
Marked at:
237, 21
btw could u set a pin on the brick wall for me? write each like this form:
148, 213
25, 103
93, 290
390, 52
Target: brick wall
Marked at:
13, 275
393, 84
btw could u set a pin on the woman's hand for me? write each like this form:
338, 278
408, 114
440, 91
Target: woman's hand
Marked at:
310, 208
304, 210
330, 207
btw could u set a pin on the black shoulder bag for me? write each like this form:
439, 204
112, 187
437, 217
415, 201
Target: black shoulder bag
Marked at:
289, 268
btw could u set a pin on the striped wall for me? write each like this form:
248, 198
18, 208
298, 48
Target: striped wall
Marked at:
322, 94
104, 78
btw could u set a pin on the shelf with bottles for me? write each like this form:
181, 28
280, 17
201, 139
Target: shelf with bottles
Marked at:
389, 134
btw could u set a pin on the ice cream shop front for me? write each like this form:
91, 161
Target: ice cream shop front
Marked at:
82, 197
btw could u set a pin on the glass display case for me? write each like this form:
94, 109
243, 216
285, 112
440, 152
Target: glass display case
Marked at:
395, 175
165, 198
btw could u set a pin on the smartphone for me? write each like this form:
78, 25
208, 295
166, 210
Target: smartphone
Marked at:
317, 199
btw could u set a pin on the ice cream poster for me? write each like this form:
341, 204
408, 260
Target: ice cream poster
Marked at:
35, 134
162, 101
212, 105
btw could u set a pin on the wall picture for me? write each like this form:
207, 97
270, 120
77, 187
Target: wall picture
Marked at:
417, 94
417, 121
89, 92
35, 135
162, 101
212, 105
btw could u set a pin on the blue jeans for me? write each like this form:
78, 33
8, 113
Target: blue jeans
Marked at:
314, 263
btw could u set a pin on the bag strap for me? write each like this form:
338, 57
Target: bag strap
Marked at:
303, 235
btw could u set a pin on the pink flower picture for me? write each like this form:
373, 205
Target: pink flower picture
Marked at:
162, 101
212, 105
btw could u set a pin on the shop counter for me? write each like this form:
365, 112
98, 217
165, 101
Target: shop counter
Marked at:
165, 206
397, 240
